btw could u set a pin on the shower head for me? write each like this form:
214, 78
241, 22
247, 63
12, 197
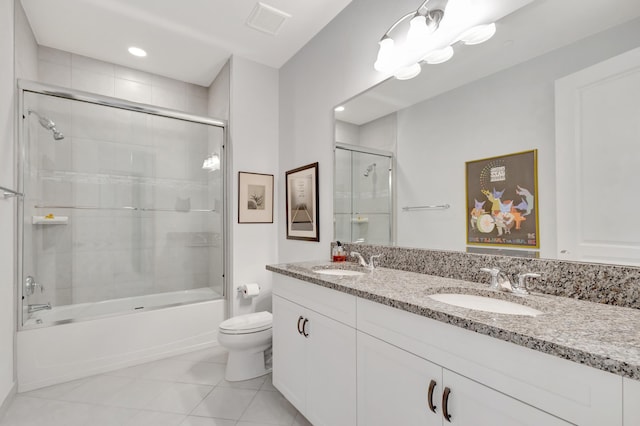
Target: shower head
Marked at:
48, 124
370, 167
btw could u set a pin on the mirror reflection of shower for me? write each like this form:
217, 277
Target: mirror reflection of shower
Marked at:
370, 168
48, 124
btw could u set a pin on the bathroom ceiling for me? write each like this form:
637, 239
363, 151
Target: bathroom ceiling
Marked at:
187, 40
536, 29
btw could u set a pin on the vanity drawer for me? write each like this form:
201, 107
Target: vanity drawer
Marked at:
331, 303
568, 390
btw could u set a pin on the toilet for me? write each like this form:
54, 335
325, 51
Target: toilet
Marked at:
248, 340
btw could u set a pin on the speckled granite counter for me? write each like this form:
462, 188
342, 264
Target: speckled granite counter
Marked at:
601, 336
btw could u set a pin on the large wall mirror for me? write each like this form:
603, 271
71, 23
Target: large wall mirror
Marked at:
562, 78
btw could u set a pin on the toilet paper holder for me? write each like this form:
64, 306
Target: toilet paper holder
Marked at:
249, 290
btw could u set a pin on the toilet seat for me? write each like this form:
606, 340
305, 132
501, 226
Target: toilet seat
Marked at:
246, 324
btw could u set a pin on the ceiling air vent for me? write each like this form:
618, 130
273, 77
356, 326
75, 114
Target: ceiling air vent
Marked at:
267, 18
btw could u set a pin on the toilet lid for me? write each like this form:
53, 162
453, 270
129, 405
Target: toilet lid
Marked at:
249, 323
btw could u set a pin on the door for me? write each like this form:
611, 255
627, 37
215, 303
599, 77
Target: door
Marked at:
393, 386
363, 196
471, 404
597, 116
289, 351
331, 372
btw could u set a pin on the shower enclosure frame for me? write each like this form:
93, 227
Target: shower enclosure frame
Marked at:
392, 200
96, 99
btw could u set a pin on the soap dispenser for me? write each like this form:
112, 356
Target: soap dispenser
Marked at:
338, 254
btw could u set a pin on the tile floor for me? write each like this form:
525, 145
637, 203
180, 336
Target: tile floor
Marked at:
187, 390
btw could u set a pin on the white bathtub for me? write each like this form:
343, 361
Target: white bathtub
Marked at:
84, 311
118, 335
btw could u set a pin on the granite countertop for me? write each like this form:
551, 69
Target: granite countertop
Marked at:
601, 336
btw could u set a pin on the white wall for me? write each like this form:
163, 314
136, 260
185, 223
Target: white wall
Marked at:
335, 65
254, 144
7, 207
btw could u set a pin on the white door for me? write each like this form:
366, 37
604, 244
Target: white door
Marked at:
331, 372
289, 351
598, 162
393, 386
472, 404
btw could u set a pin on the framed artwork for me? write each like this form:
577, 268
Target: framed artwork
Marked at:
303, 216
255, 198
502, 201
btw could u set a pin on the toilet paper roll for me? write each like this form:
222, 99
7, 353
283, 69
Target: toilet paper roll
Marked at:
250, 290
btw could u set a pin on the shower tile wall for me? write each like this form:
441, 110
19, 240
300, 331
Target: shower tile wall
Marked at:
104, 254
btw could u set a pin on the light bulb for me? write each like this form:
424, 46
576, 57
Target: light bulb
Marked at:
439, 56
418, 33
386, 55
478, 34
408, 72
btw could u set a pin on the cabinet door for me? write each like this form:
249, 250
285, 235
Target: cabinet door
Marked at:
289, 351
631, 403
331, 372
393, 386
472, 404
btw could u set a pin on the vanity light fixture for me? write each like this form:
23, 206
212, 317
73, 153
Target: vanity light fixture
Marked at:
426, 40
136, 51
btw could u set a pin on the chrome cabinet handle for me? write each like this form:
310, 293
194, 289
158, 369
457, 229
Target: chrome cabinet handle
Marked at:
432, 386
445, 404
304, 327
300, 319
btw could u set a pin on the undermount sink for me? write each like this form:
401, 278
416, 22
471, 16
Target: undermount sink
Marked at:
342, 272
486, 304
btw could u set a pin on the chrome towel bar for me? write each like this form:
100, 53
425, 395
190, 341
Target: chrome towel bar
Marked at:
433, 207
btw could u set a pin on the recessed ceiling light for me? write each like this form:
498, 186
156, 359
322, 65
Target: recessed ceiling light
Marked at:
339, 109
136, 51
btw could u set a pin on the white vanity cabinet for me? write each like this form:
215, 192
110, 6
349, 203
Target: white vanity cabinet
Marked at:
314, 351
397, 387
491, 382
631, 402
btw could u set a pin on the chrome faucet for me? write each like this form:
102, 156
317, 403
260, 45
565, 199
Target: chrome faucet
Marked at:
38, 307
521, 287
500, 281
371, 265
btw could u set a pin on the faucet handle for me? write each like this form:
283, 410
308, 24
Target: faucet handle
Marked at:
521, 287
373, 258
494, 272
361, 260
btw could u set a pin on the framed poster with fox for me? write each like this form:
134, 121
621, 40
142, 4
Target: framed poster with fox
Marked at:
502, 201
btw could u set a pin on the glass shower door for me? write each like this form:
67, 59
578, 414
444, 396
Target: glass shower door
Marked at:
363, 197
118, 204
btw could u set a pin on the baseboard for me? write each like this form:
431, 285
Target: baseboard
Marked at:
8, 400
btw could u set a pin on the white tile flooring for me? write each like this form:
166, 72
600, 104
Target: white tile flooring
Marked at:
187, 390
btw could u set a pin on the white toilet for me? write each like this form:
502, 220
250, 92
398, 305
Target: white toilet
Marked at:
248, 340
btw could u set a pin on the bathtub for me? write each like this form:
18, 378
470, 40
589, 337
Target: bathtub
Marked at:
93, 338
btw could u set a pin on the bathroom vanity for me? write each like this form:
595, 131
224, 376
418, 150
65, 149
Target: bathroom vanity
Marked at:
375, 349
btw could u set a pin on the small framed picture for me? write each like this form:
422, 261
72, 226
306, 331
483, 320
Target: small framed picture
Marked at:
302, 203
255, 198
